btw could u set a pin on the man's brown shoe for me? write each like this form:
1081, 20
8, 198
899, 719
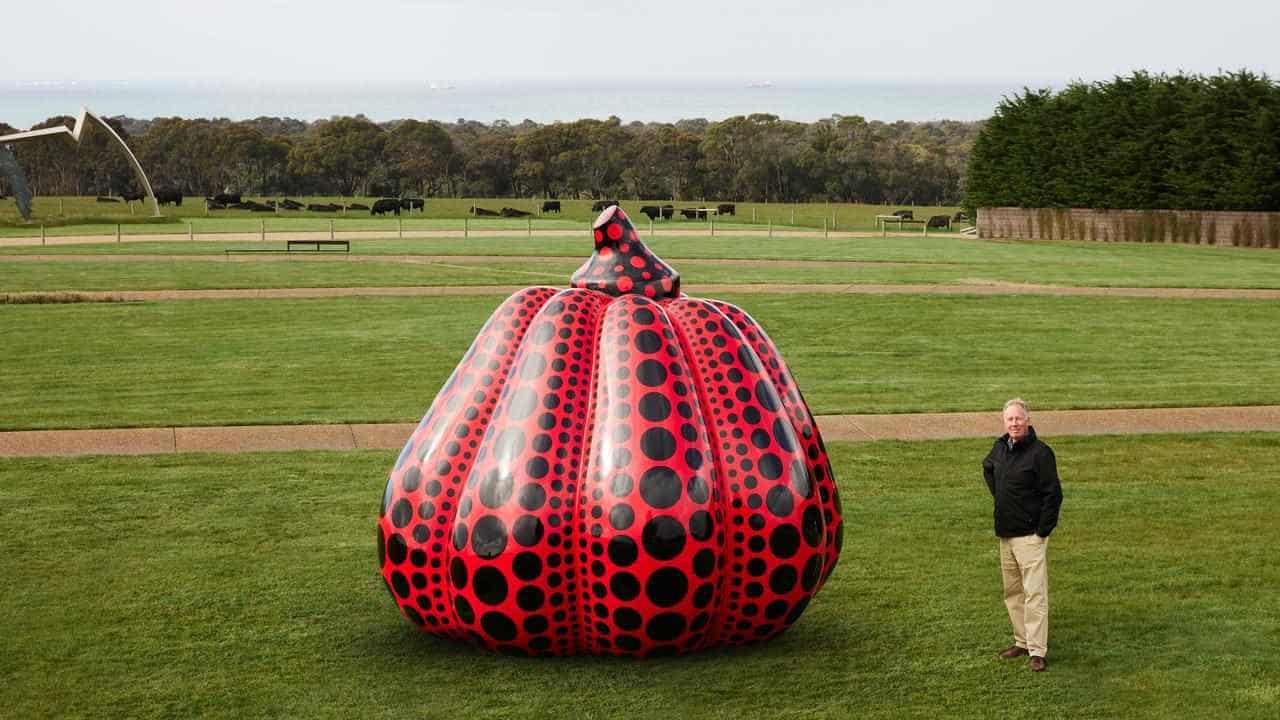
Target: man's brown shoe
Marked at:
1038, 664
1013, 652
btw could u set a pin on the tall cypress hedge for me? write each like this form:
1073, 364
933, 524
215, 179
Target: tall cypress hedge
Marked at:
1178, 142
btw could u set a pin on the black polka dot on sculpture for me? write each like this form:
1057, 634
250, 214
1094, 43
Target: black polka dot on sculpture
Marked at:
666, 586
660, 486
527, 530
498, 626
665, 626
655, 407
397, 549
489, 537
530, 598
624, 586
527, 566
663, 538
784, 541
490, 585
623, 551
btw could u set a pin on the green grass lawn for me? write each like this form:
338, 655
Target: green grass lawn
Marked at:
894, 260
377, 359
246, 586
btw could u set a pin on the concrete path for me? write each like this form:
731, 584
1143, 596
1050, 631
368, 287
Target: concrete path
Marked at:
855, 428
693, 289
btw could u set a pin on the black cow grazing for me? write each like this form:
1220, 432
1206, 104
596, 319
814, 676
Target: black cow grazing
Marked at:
599, 205
384, 206
939, 221
107, 199
412, 204
357, 206
513, 213
288, 204
227, 198
323, 207
653, 211
905, 214
482, 212
960, 216
727, 209
550, 206
668, 211
168, 195
130, 196
694, 213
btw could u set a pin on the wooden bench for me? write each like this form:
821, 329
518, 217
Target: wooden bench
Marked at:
319, 245
314, 245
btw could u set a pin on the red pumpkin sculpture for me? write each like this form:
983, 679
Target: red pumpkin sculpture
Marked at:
614, 468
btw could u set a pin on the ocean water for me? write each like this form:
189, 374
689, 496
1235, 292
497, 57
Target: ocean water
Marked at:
24, 104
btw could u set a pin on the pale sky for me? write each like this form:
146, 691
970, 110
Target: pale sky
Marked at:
448, 41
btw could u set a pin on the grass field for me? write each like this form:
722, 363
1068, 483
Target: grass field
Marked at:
377, 359
845, 215
246, 586
889, 260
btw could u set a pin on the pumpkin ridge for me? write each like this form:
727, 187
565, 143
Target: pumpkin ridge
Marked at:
519, 527
779, 558
584, 461
451, 592
426, 449
799, 410
716, 630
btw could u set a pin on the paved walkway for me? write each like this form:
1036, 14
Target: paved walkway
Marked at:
855, 428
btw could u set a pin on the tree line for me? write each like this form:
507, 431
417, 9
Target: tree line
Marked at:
1178, 142
757, 157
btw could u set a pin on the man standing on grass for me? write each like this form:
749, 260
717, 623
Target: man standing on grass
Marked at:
1022, 474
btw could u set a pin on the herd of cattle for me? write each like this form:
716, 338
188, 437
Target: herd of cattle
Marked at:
654, 212
233, 201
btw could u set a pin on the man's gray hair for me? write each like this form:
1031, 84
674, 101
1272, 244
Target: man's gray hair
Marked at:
1020, 403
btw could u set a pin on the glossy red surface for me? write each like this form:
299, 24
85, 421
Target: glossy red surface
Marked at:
613, 468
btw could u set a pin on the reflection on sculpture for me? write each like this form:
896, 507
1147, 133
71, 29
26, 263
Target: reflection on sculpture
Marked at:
615, 468
12, 171
75, 134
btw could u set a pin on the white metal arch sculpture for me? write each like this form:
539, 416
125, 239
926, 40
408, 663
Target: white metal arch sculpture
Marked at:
75, 134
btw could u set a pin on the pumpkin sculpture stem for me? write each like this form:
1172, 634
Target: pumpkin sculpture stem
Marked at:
622, 265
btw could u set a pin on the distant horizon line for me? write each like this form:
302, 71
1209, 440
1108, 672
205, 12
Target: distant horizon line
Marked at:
445, 83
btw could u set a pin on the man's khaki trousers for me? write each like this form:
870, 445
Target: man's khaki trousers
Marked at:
1025, 566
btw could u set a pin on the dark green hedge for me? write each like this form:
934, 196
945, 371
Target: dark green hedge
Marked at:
1182, 142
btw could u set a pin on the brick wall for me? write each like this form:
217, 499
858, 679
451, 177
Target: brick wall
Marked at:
1228, 228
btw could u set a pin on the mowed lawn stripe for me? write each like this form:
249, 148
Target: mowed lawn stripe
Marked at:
894, 260
382, 359
247, 586
54, 276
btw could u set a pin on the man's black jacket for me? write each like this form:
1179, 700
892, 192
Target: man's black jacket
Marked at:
1024, 482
